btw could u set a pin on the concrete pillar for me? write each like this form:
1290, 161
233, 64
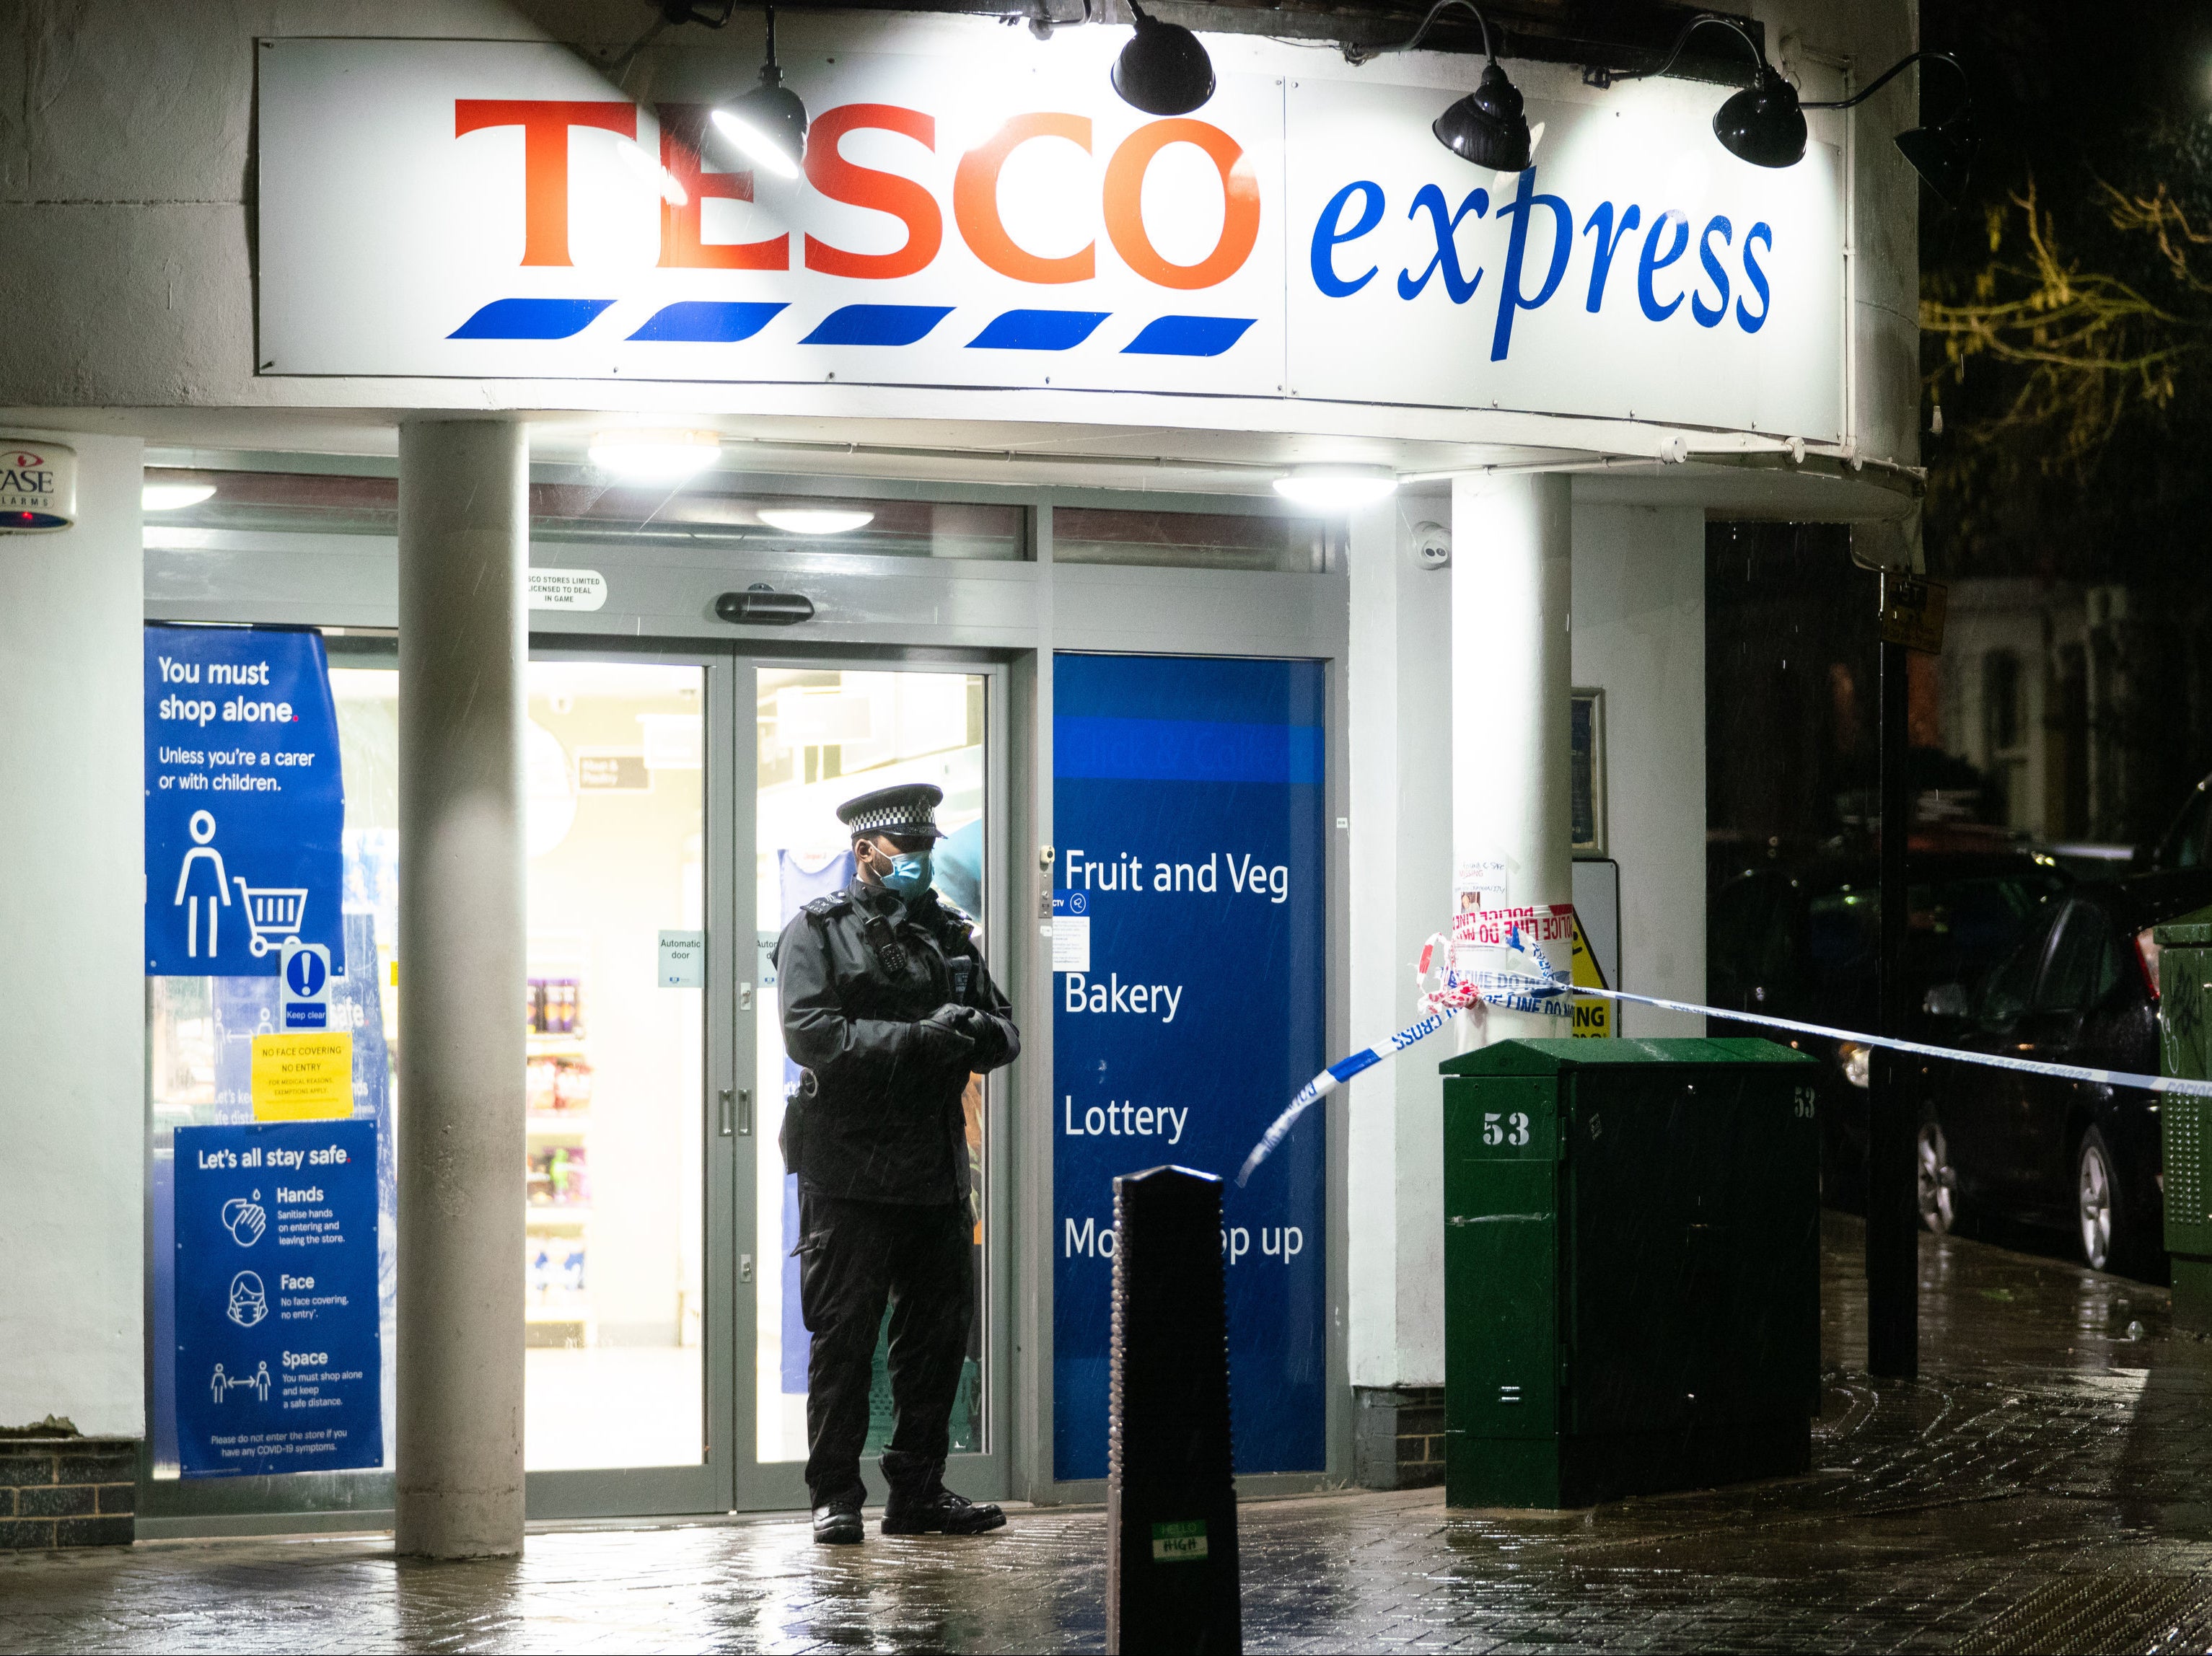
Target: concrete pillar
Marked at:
464, 559
1399, 873
1511, 577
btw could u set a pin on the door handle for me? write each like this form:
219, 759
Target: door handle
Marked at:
744, 997
726, 1112
744, 1267
745, 1112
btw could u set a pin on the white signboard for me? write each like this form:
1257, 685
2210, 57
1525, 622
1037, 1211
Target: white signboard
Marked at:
568, 589
497, 210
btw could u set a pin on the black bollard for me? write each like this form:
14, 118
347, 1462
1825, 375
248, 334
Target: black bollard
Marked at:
1170, 1496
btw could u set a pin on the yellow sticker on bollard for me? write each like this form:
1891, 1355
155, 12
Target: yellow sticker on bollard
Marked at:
1593, 1017
303, 1077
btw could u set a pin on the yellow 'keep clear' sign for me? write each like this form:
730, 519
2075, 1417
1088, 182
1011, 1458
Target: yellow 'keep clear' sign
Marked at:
306, 1076
1593, 1017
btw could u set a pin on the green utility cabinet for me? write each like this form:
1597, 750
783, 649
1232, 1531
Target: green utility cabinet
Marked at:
1632, 1267
2185, 1049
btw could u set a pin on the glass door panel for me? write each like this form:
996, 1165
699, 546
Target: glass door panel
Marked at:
824, 736
614, 1181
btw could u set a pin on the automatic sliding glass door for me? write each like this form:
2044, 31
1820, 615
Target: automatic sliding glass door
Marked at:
822, 735
623, 1163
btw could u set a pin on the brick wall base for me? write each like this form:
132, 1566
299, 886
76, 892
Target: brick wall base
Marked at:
68, 1491
1398, 1436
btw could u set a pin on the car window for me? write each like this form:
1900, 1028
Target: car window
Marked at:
2072, 976
2005, 994
2186, 845
1841, 929
1961, 929
1734, 932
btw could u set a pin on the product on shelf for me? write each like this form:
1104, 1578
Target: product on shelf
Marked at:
551, 1006
558, 1177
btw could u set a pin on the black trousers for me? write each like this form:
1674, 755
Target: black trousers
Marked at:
853, 1257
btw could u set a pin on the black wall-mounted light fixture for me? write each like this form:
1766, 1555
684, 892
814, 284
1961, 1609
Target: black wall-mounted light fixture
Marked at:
1943, 155
1488, 127
761, 605
1164, 70
769, 123
1765, 123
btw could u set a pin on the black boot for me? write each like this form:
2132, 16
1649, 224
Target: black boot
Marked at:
837, 1521
920, 1504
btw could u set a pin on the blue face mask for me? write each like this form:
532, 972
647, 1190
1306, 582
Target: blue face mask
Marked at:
909, 872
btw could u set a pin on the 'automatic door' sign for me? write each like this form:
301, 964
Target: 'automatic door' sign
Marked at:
245, 803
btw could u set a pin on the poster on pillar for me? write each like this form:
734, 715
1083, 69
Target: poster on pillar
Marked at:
245, 801
1188, 801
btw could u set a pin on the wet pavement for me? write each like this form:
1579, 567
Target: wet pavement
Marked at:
2045, 1485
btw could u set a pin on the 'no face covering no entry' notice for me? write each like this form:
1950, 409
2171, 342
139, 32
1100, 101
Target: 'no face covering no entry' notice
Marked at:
278, 1361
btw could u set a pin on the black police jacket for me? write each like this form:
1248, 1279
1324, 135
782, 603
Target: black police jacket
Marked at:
875, 1118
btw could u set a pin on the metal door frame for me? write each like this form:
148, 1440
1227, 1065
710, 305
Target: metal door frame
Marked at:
986, 1474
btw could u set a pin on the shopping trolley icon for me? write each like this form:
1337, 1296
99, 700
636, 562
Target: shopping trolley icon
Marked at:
274, 914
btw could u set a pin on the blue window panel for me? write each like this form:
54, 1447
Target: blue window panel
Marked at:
531, 318
1188, 336
1037, 330
708, 321
877, 325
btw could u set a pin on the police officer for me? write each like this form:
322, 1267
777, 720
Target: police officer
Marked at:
887, 1011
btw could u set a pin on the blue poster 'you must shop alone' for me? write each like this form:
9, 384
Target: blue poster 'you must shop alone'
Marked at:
244, 803
279, 1359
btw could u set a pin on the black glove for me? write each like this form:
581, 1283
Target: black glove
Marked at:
941, 1039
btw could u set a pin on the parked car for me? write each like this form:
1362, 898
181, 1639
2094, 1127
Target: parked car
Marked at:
2080, 989
1798, 941
2188, 842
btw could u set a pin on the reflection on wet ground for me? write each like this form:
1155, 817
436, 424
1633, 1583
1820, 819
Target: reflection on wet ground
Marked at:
2046, 1485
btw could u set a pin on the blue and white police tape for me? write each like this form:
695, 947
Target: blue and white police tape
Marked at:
2176, 1084
1546, 994
1332, 1078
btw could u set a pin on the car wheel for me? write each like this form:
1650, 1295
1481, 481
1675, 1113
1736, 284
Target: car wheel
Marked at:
2096, 1190
1938, 1184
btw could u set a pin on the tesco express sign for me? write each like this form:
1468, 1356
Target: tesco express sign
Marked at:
491, 210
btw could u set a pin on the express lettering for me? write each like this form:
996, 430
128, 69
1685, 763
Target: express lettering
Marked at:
546, 123
1665, 242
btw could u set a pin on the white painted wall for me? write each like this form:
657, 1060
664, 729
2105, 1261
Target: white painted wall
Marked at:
1400, 671
72, 1001
1639, 635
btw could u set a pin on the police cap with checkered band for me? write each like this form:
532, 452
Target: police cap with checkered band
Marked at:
906, 811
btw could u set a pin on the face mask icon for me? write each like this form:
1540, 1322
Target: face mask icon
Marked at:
249, 1302
245, 1220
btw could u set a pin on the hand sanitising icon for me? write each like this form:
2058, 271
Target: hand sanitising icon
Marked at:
246, 1220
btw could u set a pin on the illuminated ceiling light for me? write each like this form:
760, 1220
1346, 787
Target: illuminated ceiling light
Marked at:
662, 181
1164, 70
173, 497
769, 123
1337, 488
1943, 155
814, 520
655, 456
